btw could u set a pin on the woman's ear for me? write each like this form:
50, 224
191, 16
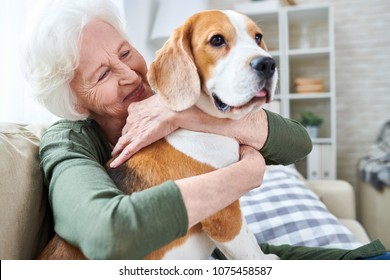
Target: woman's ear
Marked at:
173, 75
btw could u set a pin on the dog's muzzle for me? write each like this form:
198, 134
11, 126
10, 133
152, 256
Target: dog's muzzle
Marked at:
265, 68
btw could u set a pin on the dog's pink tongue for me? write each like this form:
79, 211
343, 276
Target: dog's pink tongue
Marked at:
261, 93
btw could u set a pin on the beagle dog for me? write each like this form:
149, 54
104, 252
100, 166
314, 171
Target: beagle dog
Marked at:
218, 62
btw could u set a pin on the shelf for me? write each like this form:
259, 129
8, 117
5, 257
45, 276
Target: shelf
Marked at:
268, 10
315, 65
315, 95
277, 97
301, 40
308, 13
309, 53
322, 141
308, 28
274, 54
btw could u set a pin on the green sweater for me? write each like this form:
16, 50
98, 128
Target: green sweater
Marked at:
92, 214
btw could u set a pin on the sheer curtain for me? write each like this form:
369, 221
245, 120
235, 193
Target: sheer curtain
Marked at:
16, 101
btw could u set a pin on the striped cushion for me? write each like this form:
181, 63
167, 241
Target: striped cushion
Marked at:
284, 211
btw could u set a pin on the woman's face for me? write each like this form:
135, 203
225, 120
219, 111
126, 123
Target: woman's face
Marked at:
111, 73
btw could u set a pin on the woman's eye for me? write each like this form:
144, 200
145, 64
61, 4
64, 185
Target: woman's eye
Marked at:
217, 41
103, 75
125, 54
258, 38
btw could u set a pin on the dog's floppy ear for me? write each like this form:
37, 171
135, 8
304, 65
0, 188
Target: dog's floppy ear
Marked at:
173, 74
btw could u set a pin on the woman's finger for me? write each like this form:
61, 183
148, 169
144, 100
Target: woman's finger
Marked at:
120, 145
126, 153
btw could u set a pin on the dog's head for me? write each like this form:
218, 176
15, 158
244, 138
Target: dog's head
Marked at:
217, 61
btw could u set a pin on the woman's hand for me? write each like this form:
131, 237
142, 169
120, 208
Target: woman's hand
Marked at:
148, 121
255, 166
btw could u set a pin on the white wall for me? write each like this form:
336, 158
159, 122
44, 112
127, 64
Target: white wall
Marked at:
139, 21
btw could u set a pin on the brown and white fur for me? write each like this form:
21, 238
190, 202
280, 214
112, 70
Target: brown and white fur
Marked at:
218, 62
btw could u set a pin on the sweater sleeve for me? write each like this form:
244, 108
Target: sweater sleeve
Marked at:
287, 142
91, 213
289, 252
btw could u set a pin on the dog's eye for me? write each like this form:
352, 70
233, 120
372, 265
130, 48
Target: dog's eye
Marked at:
217, 41
258, 38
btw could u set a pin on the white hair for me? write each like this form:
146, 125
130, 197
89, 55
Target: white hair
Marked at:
52, 49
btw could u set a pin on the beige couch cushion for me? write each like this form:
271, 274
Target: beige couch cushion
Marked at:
374, 209
357, 229
338, 195
25, 215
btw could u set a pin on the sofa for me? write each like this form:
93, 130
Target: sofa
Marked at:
373, 211
285, 209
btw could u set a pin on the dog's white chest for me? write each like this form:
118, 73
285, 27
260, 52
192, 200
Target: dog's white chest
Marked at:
215, 150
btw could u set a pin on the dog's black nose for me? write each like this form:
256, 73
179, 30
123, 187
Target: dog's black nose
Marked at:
264, 66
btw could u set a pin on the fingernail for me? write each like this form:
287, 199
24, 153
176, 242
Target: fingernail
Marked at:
112, 164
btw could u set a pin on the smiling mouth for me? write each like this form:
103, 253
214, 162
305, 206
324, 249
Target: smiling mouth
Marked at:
223, 107
136, 93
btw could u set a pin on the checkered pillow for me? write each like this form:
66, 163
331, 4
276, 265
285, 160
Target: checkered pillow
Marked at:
284, 211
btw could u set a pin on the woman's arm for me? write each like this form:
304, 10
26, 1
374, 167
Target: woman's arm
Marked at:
280, 140
88, 209
287, 142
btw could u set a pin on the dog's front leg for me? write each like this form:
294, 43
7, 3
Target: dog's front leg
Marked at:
243, 246
230, 233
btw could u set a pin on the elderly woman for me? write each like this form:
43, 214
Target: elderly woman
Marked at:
85, 70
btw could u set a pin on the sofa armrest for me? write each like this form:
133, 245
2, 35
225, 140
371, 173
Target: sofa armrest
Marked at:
25, 215
337, 195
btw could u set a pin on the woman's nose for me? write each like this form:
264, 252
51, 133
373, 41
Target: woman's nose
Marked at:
127, 75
